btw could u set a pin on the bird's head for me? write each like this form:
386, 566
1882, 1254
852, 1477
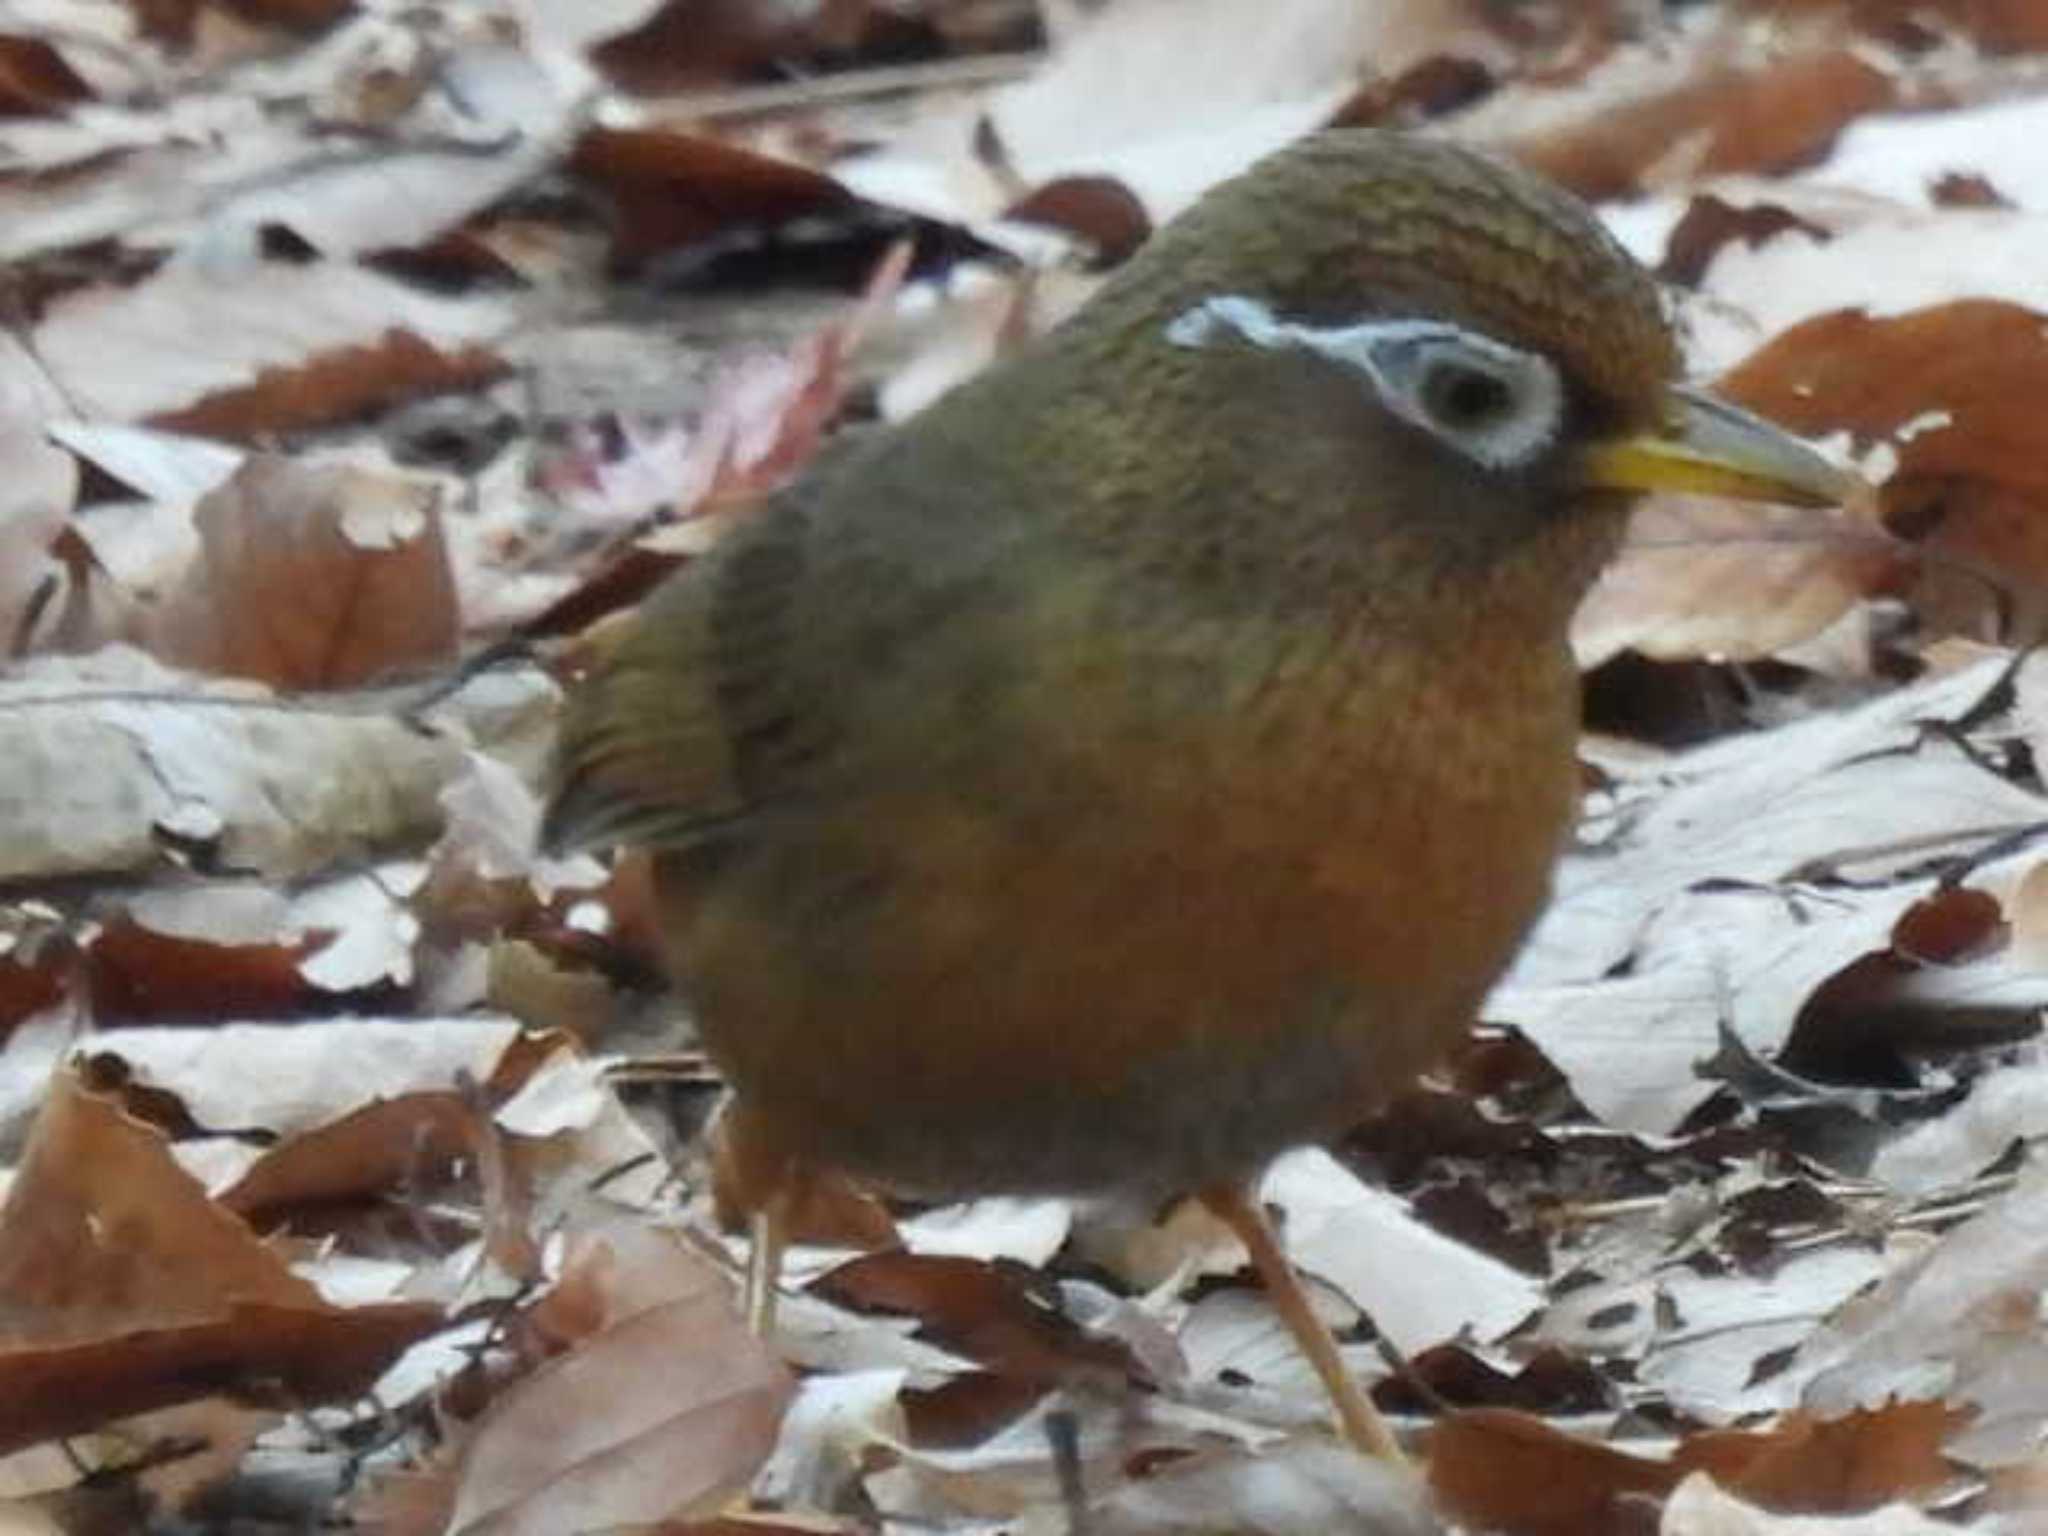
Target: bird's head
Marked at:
1437, 349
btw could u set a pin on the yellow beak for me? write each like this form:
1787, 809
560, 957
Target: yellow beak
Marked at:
1708, 447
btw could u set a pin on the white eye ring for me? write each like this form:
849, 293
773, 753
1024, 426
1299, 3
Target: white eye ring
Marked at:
1497, 405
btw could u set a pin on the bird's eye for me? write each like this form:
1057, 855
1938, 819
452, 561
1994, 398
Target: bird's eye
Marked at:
1497, 405
1464, 398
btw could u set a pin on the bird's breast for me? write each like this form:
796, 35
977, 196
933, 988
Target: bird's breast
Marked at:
1148, 953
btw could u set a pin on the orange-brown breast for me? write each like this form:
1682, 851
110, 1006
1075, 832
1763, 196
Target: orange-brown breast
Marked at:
1169, 944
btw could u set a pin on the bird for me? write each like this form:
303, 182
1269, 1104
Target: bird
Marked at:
1144, 760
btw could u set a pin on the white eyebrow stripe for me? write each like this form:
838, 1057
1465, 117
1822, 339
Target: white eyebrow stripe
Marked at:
1374, 348
1198, 325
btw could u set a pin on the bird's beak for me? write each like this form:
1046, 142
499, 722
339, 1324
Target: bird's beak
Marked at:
1708, 447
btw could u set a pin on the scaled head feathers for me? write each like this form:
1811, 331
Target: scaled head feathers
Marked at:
1430, 231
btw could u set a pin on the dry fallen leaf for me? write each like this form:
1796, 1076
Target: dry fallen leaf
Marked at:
1847, 1465
670, 188
312, 577
126, 1289
666, 1409
1418, 1286
244, 350
1495, 1469
40, 486
115, 762
1301, 1487
1698, 1508
1772, 111
1697, 913
1949, 390
1957, 1322
1731, 582
1163, 97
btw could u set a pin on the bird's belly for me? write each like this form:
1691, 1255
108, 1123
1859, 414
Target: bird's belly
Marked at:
936, 1001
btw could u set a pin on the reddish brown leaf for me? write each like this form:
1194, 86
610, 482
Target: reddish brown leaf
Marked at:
984, 1311
1710, 223
336, 386
1838, 1466
2004, 26
1953, 388
286, 1357
123, 1288
392, 1144
1099, 209
137, 975
314, 577
1770, 118
1960, 189
29, 985
671, 188
711, 42
1950, 927
34, 79
1497, 1470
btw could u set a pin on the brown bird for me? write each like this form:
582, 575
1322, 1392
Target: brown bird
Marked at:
1145, 760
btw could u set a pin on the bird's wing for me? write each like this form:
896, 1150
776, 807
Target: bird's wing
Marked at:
684, 724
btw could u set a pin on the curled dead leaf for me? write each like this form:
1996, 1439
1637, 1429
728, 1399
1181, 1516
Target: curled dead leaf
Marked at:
124, 1288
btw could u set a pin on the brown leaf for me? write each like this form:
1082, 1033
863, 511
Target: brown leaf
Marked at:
335, 386
987, 1312
314, 577
1952, 389
123, 1288
1698, 577
2016, 26
1710, 223
255, 347
1497, 1470
1832, 1466
283, 1356
1965, 189
392, 1144
31, 983
1097, 209
34, 79
666, 1408
136, 975
1730, 117
671, 188
708, 42
1953, 925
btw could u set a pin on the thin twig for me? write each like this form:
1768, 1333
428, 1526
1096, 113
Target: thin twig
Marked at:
851, 85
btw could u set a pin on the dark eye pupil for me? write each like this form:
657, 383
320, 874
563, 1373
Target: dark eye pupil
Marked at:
1465, 397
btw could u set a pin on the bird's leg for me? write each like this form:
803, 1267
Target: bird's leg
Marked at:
1361, 1422
768, 1235
1063, 1431
755, 1174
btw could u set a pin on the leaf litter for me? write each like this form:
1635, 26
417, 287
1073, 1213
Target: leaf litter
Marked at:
354, 1150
